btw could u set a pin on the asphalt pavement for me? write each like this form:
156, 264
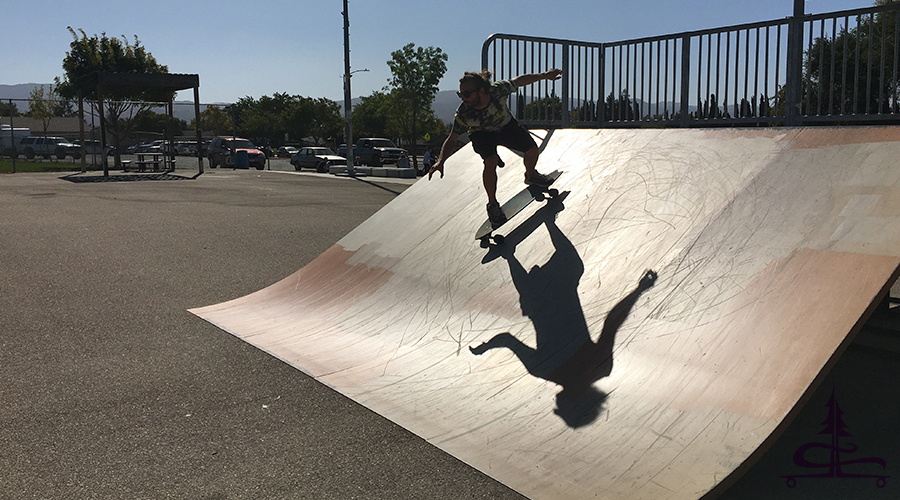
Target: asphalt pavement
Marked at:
111, 389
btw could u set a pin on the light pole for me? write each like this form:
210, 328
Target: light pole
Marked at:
347, 106
348, 115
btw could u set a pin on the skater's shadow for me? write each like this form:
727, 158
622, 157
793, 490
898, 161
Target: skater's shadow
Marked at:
545, 214
565, 353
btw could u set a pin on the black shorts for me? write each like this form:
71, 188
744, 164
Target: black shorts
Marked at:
512, 136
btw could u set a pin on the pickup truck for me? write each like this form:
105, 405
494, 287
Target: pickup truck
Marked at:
375, 152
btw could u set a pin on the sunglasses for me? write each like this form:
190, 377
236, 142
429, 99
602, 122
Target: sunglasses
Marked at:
466, 93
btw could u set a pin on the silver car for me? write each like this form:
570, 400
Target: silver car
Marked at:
317, 158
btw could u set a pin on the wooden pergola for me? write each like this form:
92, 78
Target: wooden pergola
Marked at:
102, 80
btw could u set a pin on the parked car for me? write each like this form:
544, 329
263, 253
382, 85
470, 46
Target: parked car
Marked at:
222, 150
317, 158
149, 147
286, 151
94, 148
48, 146
374, 151
186, 148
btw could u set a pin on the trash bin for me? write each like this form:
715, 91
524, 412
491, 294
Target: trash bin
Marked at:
241, 160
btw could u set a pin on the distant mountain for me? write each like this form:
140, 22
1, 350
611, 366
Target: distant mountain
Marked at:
444, 106
19, 93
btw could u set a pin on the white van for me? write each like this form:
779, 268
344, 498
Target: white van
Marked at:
9, 137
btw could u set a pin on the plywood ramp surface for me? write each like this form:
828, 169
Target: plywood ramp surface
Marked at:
556, 363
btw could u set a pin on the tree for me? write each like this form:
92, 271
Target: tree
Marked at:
546, 108
88, 55
416, 73
213, 119
39, 107
8, 109
260, 120
852, 73
44, 105
151, 121
373, 116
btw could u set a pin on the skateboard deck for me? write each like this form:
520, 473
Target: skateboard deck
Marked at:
515, 205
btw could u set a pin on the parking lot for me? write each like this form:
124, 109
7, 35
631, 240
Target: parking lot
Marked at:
113, 390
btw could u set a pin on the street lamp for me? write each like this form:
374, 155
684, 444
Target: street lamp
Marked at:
348, 114
348, 136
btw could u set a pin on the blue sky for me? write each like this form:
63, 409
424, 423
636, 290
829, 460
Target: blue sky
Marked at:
267, 46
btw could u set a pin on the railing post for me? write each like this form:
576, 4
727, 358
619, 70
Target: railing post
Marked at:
566, 78
600, 110
685, 79
794, 76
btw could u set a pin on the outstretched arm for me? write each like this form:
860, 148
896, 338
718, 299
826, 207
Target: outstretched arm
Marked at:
529, 78
447, 149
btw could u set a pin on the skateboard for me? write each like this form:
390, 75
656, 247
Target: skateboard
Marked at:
515, 205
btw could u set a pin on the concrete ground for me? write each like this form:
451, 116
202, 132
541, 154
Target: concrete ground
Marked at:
111, 389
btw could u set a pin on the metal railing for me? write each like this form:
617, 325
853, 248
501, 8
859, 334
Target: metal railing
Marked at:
840, 67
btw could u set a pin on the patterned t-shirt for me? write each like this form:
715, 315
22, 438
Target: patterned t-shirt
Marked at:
492, 118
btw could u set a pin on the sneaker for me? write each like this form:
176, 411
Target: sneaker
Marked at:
538, 179
495, 214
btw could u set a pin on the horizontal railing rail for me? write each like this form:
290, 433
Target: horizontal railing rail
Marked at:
840, 67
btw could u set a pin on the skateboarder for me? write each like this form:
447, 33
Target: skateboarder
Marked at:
485, 116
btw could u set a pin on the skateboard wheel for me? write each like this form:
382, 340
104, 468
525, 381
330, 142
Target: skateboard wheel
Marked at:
485, 242
554, 192
539, 197
499, 239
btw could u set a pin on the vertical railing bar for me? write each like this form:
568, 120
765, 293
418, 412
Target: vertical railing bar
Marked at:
685, 78
746, 71
626, 91
831, 84
709, 82
718, 70
869, 62
699, 75
737, 71
566, 97
549, 54
727, 70
585, 102
582, 83
757, 105
766, 71
643, 62
894, 107
593, 80
585, 83
632, 72
807, 82
881, 68
528, 55
855, 107
844, 56
578, 95
868, 82
778, 65
658, 76
666, 81
618, 87
821, 67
